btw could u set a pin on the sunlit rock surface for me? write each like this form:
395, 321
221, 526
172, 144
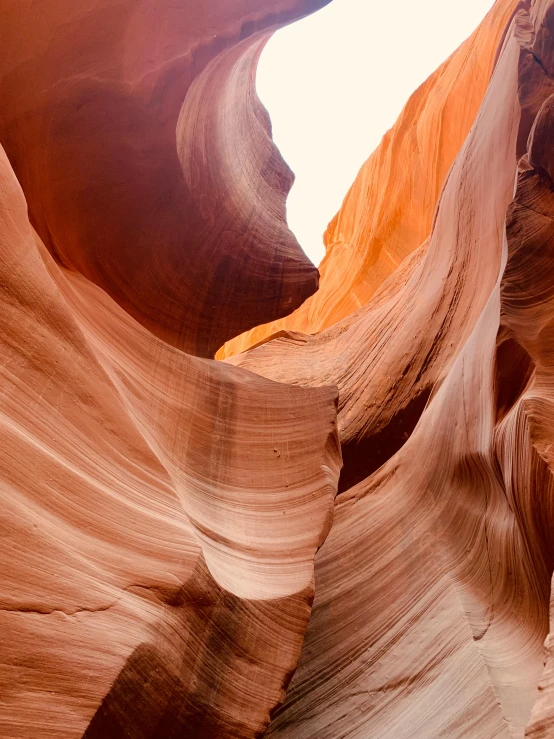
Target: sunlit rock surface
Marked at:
388, 212
433, 588
162, 512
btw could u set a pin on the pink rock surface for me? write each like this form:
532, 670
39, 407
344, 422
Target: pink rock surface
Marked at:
161, 512
433, 588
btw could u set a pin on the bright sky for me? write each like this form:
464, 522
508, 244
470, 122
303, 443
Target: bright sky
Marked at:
336, 81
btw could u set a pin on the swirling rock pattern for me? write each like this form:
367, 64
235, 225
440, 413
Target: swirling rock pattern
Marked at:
388, 212
162, 512
155, 507
146, 159
433, 588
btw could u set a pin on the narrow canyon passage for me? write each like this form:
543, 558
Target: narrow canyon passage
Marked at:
342, 527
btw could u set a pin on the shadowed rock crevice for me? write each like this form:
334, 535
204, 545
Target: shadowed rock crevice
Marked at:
361, 459
514, 370
207, 638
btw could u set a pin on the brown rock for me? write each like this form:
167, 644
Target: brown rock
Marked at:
121, 122
161, 511
432, 590
157, 554
146, 519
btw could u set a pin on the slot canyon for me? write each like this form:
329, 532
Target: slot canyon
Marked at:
242, 497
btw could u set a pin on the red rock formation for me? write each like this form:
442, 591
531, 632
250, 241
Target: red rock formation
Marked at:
388, 212
432, 590
156, 507
161, 511
122, 125
397, 348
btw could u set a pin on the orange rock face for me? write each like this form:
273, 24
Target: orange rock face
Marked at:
162, 512
388, 212
433, 588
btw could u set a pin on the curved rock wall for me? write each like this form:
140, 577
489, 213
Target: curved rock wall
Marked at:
92, 99
433, 588
161, 512
388, 212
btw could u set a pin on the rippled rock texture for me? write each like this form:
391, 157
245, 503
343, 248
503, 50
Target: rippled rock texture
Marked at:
433, 587
161, 511
388, 212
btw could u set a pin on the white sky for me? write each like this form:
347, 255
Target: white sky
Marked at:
336, 81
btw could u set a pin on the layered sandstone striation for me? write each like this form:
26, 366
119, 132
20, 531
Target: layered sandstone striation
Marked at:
136, 134
388, 212
161, 511
433, 588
